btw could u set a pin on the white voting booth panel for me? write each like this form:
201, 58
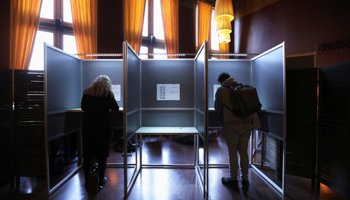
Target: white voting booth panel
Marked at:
132, 111
66, 78
163, 97
269, 78
201, 117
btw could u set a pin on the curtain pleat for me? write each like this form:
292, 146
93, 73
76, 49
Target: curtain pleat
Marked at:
170, 12
84, 14
24, 24
224, 48
204, 22
133, 21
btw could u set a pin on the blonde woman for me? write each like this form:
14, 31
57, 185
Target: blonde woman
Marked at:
97, 100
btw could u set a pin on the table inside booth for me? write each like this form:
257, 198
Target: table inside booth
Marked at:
80, 110
167, 131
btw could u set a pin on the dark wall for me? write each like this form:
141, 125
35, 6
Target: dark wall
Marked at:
187, 29
5, 16
110, 35
303, 25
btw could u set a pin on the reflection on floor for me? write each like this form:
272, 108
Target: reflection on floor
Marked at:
169, 184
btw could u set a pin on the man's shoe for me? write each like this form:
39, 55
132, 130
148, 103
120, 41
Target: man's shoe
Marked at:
103, 182
245, 184
230, 183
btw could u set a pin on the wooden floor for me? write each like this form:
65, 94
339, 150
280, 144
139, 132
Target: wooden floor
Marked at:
169, 184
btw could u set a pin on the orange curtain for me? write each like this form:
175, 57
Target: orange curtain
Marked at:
84, 14
24, 24
170, 12
204, 22
133, 21
224, 48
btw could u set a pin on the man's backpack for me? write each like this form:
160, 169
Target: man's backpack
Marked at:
244, 99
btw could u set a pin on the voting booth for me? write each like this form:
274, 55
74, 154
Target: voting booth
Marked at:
265, 72
66, 77
165, 97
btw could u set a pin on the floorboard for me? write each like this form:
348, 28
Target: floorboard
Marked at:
170, 184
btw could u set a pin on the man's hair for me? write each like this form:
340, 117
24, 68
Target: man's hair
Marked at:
102, 86
223, 76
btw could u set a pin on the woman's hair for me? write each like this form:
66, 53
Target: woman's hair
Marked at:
101, 86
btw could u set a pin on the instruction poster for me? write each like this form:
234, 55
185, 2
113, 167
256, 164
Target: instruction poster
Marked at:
168, 92
116, 92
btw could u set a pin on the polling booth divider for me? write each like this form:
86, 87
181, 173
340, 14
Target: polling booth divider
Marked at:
132, 111
62, 88
65, 79
265, 72
269, 78
201, 118
165, 97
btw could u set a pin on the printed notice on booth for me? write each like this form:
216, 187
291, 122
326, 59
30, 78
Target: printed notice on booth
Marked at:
168, 92
116, 92
216, 86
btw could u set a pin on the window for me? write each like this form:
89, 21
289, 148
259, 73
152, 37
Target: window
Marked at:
153, 30
214, 38
55, 28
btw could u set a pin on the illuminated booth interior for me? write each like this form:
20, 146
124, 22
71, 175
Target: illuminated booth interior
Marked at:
265, 72
65, 78
164, 97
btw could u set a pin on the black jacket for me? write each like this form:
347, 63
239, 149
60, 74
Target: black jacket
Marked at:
96, 124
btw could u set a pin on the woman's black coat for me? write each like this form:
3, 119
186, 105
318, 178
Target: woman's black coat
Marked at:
96, 125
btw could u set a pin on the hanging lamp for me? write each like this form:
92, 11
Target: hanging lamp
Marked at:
223, 17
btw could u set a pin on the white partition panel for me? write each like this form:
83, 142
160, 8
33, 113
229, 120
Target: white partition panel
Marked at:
201, 89
201, 115
62, 71
62, 82
132, 112
268, 77
131, 91
167, 112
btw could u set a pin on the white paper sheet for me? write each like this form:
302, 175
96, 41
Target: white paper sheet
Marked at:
168, 92
216, 86
116, 92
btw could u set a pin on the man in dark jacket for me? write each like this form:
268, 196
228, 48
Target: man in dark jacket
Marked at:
237, 133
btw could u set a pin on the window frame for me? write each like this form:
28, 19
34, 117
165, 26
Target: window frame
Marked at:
150, 41
56, 25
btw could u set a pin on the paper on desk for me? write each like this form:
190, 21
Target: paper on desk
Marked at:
116, 92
